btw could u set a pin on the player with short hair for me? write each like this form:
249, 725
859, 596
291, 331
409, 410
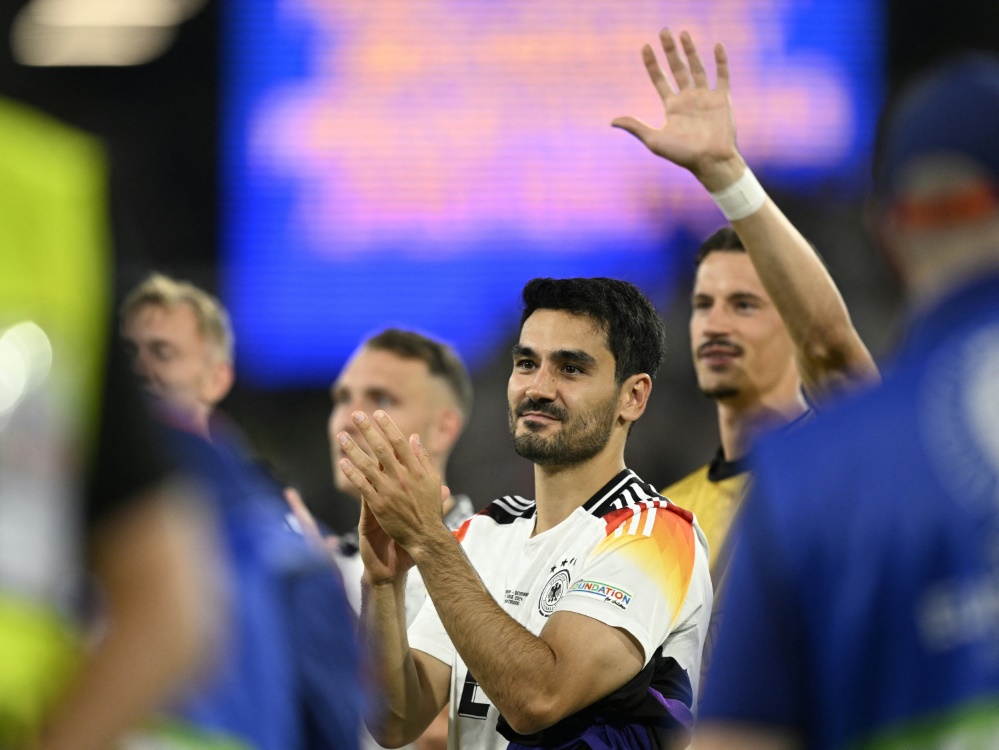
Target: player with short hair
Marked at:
420, 381
576, 617
183, 346
770, 334
423, 384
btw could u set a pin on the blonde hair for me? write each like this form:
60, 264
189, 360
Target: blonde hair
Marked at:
213, 320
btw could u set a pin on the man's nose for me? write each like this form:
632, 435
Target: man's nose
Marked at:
717, 320
542, 386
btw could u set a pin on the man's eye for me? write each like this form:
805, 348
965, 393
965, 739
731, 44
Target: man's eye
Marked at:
571, 370
384, 402
524, 364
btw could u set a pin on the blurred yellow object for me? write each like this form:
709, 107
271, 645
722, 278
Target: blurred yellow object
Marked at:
53, 331
39, 653
54, 243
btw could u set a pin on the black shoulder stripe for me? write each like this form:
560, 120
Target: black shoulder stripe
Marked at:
508, 509
624, 490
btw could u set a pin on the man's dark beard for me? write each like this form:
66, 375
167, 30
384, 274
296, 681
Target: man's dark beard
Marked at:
579, 439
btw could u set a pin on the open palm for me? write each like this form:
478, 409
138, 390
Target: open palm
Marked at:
699, 132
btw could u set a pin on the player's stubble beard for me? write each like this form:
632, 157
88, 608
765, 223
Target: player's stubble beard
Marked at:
580, 438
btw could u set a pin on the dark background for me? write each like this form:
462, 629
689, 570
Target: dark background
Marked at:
160, 124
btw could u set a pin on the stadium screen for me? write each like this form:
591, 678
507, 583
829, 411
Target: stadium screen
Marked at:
414, 162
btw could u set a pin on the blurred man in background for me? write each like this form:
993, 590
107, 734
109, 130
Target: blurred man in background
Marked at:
287, 677
182, 347
864, 592
424, 386
770, 334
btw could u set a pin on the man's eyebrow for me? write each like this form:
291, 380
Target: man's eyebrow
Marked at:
574, 355
561, 355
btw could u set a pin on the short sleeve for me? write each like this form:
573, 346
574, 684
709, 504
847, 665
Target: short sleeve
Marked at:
757, 669
638, 577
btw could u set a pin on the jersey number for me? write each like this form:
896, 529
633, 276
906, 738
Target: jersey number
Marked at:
468, 706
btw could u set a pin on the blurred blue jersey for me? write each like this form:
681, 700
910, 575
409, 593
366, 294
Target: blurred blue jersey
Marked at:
287, 672
863, 604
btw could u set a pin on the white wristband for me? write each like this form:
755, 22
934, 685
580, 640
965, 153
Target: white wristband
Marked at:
742, 198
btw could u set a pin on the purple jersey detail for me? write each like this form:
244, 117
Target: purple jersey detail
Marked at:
677, 709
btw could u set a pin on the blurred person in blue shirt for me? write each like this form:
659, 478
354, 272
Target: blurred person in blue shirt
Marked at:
863, 601
287, 674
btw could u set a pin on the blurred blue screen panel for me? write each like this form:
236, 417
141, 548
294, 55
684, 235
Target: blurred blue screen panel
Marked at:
414, 162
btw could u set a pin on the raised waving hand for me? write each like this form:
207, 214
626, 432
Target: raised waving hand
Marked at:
699, 132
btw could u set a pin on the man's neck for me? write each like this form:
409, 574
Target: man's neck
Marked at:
740, 423
560, 490
188, 420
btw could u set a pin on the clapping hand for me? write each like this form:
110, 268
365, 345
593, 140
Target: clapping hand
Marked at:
401, 494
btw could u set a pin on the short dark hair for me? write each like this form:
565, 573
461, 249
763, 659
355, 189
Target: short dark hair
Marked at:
725, 239
441, 360
636, 334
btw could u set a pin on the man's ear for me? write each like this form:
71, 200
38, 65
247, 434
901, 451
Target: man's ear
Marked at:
635, 396
447, 430
219, 383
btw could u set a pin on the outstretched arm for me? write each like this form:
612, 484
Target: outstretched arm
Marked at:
534, 680
699, 135
414, 686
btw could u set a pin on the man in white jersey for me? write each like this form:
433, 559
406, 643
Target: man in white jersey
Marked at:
578, 617
423, 383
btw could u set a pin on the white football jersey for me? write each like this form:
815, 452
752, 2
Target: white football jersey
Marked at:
628, 558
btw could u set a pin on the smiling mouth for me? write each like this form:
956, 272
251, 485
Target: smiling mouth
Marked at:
718, 354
